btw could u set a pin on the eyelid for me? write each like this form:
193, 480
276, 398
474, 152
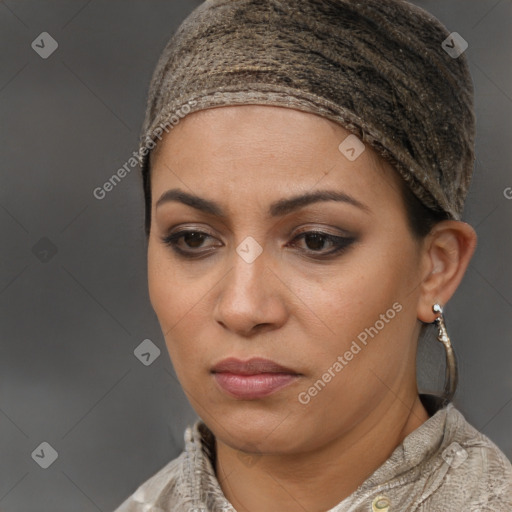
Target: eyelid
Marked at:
338, 232
340, 243
189, 228
308, 228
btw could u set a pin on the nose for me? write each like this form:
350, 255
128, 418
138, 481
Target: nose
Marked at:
251, 296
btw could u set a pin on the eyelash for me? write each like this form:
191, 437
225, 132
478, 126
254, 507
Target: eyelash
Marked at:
340, 243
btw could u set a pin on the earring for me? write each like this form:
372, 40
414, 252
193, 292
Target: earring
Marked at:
451, 371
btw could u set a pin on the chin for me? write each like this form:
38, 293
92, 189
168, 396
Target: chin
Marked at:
256, 428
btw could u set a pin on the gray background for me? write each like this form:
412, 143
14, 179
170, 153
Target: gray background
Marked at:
71, 319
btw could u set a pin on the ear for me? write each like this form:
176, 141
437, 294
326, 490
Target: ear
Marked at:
447, 252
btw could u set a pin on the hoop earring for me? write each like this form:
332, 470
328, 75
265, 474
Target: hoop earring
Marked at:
451, 371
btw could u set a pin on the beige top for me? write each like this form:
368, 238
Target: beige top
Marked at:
445, 465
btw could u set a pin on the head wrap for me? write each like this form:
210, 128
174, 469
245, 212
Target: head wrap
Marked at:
382, 69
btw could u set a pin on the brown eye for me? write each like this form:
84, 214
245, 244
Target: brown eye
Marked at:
194, 239
316, 241
191, 240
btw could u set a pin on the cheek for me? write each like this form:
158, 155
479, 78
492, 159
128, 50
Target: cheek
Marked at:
365, 303
366, 287
165, 289
159, 288
180, 304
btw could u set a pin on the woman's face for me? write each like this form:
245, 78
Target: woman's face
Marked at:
339, 312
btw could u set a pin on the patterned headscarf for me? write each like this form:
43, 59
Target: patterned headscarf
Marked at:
385, 70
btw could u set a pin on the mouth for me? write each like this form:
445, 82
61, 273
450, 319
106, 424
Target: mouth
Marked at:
252, 379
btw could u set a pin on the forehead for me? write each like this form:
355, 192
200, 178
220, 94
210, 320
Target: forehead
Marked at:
254, 151
226, 127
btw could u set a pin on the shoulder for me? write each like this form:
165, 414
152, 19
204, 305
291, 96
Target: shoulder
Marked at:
164, 481
476, 472
187, 479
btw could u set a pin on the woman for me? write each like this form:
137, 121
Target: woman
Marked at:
305, 166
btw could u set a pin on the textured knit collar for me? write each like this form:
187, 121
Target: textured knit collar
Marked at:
413, 456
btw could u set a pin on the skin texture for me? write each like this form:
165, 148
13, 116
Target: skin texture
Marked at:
276, 453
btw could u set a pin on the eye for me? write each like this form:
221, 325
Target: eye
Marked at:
317, 240
192, 240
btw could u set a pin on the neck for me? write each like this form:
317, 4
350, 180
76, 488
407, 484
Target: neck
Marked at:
317, 480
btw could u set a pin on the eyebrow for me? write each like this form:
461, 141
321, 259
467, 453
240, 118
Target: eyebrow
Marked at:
276, 209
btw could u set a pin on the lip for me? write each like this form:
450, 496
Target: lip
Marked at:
252, 366
252, 379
